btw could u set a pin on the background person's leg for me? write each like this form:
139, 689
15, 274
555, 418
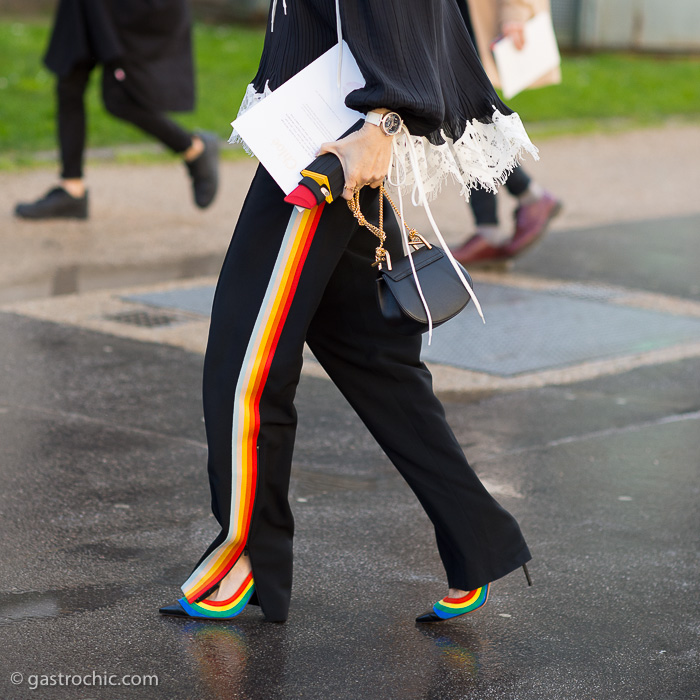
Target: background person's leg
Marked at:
72, 122
70, 199
199, 151
518, 181
484, 206
122, 105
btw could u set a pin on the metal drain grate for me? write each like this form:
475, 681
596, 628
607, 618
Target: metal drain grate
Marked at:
144, 319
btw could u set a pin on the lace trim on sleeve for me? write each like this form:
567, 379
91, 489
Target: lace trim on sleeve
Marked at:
483, 156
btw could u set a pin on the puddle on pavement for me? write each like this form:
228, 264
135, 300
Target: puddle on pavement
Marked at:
18, 607
307, 483
76, 279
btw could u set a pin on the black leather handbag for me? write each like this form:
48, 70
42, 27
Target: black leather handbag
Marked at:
397, 292
444, 292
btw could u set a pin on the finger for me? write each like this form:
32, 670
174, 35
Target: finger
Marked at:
348, 191
328, 147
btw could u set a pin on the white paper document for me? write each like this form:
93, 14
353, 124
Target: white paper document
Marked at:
518, 69
286, 129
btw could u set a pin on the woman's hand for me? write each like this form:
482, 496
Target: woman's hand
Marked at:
516, 31
365, 156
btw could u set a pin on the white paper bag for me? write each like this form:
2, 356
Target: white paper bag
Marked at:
518, 69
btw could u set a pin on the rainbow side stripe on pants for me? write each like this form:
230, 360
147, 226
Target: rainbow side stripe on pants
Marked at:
452, 607
222, 608
251, 383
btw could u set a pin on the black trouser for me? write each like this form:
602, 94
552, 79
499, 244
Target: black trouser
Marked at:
484, 203
286, 281
119, 102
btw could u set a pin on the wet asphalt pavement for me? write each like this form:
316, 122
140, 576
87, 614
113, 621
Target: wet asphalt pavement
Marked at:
104, 505
104, 509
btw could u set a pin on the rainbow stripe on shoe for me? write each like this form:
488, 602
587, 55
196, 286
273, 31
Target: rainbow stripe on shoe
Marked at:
453, 607
221, 609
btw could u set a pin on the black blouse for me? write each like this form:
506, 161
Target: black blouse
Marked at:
416, 56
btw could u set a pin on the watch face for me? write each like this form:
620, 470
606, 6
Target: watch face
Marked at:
391, 123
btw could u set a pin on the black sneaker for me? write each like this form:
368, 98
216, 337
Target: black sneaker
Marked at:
204, 171
55, 204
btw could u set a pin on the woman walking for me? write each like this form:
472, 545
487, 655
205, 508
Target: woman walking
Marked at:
291, 277
145, 49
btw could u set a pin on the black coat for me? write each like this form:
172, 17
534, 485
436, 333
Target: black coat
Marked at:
149, 39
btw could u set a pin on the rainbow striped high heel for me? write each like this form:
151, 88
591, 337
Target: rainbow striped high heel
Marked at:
447, 608
214, 610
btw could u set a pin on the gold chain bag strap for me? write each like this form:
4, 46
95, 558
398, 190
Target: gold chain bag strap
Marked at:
399, 300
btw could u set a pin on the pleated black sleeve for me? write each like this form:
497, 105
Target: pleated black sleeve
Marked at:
415, 55
418, 59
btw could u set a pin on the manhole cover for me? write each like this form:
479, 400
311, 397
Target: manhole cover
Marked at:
531, 331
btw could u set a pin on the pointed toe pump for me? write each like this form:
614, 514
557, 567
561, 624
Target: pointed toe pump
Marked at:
447, 608
175, 609
213, 609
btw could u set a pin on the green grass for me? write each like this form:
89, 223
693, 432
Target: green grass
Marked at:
226, 60
598, 91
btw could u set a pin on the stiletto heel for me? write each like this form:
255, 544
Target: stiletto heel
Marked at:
214, 609
527, 575
447, 608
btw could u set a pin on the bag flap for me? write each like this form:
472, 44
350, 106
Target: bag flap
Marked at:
441, 286
402, 267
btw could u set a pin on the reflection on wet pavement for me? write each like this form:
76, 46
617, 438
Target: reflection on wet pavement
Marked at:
104, 511
221, 654
15, 607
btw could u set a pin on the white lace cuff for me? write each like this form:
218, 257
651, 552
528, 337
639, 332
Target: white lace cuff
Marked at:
483, 156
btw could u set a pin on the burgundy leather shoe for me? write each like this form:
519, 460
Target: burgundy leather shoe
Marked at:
531, 221
478, 251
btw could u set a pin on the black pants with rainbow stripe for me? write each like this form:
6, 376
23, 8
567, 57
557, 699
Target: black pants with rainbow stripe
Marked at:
290, 278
